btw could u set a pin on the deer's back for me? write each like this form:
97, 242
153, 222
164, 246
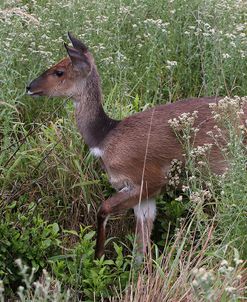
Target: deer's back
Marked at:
147, 140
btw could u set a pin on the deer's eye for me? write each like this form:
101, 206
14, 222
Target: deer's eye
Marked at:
59, 73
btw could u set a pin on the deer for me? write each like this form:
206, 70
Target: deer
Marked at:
136, 151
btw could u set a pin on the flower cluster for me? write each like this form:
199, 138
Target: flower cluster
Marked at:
231, 273
227, 278
228, 108
171, 64
230, 126
200, 154
158, 23
174, 173
185, 120
202, 283
200, 197
202, 277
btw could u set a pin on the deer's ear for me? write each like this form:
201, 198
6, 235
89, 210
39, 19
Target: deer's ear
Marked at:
77, 44
79, 60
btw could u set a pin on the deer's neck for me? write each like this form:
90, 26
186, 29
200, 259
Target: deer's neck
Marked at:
93, 123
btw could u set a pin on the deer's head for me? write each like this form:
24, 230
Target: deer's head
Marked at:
68, 77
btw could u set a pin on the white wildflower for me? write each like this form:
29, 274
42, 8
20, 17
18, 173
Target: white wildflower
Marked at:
224, 263
171, 64
226, 56
230, 289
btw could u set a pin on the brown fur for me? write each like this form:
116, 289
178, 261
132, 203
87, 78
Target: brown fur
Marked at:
138, 150
128, 142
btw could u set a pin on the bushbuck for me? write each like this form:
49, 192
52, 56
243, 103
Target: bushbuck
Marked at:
137, 151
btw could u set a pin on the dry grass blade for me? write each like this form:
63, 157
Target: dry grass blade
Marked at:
19, 12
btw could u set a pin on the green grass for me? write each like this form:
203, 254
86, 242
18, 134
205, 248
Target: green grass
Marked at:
147, 53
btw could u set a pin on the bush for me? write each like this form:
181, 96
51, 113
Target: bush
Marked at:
92, 279
29, 237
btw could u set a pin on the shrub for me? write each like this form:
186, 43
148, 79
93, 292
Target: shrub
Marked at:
29, 237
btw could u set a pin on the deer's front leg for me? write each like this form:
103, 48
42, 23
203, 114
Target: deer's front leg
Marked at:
120, 201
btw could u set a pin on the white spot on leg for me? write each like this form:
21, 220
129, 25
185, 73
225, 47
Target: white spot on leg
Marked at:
145, 210
96, 152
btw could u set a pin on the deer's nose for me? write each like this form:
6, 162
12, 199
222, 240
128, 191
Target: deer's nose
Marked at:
28, 88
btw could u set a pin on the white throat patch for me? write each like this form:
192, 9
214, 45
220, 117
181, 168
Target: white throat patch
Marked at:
96, 151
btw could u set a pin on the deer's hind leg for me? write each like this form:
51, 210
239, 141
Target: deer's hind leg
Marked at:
127, 198
145, 213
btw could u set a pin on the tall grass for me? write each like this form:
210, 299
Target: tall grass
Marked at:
147, 52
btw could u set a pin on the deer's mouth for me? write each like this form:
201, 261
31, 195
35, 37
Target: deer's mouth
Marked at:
35, 93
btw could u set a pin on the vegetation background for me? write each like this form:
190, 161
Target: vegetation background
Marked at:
147, 53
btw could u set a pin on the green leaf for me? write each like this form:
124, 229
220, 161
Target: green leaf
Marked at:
89, 235
55, 228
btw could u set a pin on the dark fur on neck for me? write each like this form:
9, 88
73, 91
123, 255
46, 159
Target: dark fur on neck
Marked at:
94, 124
